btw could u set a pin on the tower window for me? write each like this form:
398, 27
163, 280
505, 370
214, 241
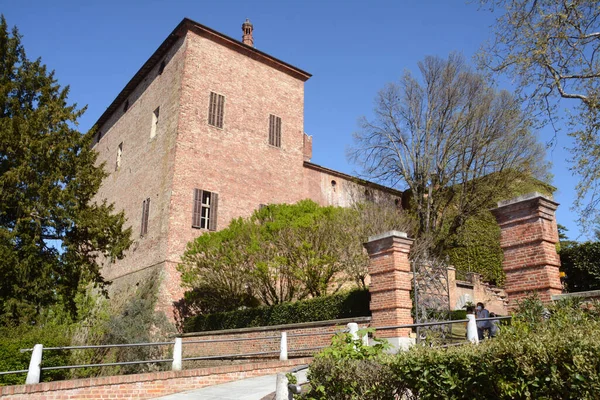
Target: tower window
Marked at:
126, 105
145, 213
205, 210
119, 154
216, 110
274, 131
161, 67
155, 115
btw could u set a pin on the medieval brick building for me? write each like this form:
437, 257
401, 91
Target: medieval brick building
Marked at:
208, 129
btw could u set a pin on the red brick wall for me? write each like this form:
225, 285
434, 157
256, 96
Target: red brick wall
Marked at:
146, 163
267, 339
236, 161
528, 239
145, 386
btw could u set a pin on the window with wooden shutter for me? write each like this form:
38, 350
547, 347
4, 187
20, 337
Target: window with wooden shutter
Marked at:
216, 109
145, 214
274, 131
204, 215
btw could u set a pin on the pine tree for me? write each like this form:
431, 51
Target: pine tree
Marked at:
52, 232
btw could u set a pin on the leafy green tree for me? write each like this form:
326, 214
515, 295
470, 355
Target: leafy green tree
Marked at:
281, 253
581, 264
549, 49
51, 230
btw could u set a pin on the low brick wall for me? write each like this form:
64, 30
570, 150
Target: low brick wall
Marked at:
145, 386
267, 339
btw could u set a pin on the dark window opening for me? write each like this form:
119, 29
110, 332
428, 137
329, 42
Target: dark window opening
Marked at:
145, 213
204, 215
274, 131
216, 109
126, 105
161, 67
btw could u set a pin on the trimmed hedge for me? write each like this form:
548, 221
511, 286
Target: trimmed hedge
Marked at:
534, 358
24, 337
341, 305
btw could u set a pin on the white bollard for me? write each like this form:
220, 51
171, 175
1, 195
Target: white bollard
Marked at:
353, 329
283, 352
35, 370
177, 355
281, 387
472, 335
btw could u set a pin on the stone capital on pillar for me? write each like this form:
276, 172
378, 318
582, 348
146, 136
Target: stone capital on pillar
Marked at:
391, 282
528, 239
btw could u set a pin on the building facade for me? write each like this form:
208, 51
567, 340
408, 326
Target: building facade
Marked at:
209, 129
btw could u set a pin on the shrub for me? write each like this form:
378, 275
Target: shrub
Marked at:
581, 264
350, 370
12, 339
533, 358
341, 305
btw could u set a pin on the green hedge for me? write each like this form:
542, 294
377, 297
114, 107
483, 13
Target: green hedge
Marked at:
24, 337
342, 305
533, 358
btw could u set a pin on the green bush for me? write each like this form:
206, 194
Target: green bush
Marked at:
533, 358
341, 305
24, 337
581, 264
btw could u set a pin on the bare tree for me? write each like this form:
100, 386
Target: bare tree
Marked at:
549, 48
450, 139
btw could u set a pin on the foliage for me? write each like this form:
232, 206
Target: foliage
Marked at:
449, 138
476, 248
548, 48
350, 370
581, 264
280, 254
125, 319
340, 305
13, 339
51, 231
533, 358
476, 245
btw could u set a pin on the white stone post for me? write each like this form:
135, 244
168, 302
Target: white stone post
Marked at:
281, 387
177, 355
35, 369
472, 335
283, 349
353, 329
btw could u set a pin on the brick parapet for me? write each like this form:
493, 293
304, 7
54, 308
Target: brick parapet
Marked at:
145, 386
528, 239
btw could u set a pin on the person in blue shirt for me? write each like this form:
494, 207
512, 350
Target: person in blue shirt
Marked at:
482, 326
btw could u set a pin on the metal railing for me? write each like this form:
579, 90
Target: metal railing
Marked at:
35, 364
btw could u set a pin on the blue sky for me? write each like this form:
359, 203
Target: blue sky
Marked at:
352, 48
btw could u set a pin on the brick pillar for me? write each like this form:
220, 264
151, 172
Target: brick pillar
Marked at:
391, 282
528, 240
452, 294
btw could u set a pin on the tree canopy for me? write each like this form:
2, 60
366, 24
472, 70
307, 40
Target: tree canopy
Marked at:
282, 253
549, 48
51, 229
455, 143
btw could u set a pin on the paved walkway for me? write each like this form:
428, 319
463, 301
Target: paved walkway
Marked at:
245, 389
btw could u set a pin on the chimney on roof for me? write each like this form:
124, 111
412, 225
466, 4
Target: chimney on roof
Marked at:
247, 28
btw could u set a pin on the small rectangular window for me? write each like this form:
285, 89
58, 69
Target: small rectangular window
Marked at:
145, 213
204, 215
216, 110
155, 115
119, 154
274, 131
